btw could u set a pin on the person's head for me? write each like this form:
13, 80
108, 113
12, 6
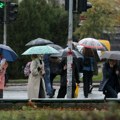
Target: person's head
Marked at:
34, 56
88, 52
112, 63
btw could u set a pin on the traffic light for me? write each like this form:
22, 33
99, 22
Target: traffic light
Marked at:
83, 5
79, 6
2, 5
12, 10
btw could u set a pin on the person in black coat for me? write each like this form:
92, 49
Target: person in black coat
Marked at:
63, 82
110, 83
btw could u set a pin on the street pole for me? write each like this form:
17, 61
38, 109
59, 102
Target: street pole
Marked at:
69, 54
5, 25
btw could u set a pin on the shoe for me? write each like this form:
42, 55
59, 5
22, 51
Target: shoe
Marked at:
91, 87
54, 91
49, 96
31, 104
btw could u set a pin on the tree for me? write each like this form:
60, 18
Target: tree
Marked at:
101, 17
36, 18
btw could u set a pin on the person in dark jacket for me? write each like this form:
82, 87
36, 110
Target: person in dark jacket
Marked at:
54, 70
110, 83
88, 69
63, 82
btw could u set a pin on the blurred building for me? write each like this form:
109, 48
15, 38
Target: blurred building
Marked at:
114, 38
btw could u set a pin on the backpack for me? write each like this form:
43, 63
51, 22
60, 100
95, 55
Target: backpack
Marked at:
27, 69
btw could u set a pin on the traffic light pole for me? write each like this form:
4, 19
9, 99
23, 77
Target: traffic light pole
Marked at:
69, 54
5, 26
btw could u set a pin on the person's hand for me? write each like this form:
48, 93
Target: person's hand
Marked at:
117, 72
65, 67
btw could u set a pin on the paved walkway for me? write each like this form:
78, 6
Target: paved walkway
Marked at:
20, 92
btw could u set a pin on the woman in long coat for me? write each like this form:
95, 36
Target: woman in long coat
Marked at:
110, 83
36, 85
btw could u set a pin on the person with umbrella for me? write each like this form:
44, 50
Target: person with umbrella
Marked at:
63, 81
45, 51
3, 67
36, 85
88, 69
49, 90
110, 82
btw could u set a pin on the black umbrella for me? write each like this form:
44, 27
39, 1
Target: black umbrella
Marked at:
115, 55
64, 52
39, 41
57, 47
75, 53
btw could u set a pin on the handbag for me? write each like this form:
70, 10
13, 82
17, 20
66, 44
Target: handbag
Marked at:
76, 90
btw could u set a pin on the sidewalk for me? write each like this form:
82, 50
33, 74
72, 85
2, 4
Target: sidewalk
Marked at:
23, 86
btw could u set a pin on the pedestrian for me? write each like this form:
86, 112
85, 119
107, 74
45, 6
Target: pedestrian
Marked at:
63, 81
3, 67
46, 59
88, 69
36, 85
54, 70
110, 82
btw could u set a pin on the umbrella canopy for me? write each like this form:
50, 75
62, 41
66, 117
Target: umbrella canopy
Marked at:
57, 54
75, 53
64, 52
91, 43
40, 50
57, 47
39, 41
115, 55
106, 44
8, 53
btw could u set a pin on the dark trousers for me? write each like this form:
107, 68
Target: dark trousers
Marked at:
52, 77
110, 92
63, 90
1, 93
41, 91
87, 81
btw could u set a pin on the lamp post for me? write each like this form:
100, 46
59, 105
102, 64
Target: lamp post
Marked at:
69, 53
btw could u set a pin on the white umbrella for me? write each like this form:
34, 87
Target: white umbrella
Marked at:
91, 43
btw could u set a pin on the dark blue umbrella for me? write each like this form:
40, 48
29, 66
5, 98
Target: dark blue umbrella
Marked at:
8, 53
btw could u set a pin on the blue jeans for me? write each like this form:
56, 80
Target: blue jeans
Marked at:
47, 82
